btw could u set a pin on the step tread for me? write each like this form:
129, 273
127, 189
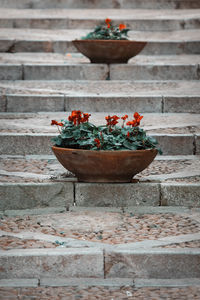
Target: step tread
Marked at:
76, 59
38, 169
39, 123
20, 34
100, 4
102, 88
99, 14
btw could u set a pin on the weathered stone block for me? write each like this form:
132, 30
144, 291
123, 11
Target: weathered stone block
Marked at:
176, 144
197, 141
167, 263
26, 45
18, 282
180, 194
51, 263
153, 72
22, 144
102, 194
62, 72
35, 195
114, 103
184, 104
2, 103
10, 72
35, 103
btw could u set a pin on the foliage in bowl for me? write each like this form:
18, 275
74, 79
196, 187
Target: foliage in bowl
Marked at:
78, 133
108, 31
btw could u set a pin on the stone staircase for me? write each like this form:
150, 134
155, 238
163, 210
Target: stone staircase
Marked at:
42, 77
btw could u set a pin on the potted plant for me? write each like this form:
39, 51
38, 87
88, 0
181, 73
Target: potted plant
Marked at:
109, 44
105, 153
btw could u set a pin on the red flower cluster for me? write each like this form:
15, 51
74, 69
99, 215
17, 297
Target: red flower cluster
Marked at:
124, 117
112, 121
78, 117
108, 21
122, 26
98, 143
54, 122
136, 121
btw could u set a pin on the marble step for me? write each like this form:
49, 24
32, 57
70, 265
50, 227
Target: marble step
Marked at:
140, 19
40, 40
177, 134
64, 67
100, 96
150, 4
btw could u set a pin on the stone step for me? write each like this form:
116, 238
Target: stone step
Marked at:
176, 133
78, 263
155, 4
40, 183
142, 20
100, 96
142, 67
91, 255
40, 40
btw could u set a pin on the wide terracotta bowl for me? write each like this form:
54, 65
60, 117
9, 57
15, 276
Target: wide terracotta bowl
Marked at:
109, 51
104, 166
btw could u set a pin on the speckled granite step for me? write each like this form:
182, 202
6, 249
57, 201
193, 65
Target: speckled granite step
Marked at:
143, 20
40, 40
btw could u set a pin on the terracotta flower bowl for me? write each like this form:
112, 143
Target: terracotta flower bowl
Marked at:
104, 166
109, 51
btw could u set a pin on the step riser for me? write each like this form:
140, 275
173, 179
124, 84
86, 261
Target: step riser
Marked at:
99, 72
65, 23
156, 4
14, 144
147, 265
144, 104
152, 48
74, 263
66, 263
63, 195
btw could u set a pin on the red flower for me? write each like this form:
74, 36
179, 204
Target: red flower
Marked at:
128, 134
76, 117
124, 117
108, 21
111, 121
122, 26
54, 122
85, 118
108, 25
136, 121
98, 143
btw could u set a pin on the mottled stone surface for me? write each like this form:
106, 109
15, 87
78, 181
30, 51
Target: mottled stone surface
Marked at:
2, 103
10, 72
176, 144
26, 103
153, 264
51, 263
94, 194
30, 195
181, 104
153, 72
180, 194
63, 72
21, 144
197, 140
